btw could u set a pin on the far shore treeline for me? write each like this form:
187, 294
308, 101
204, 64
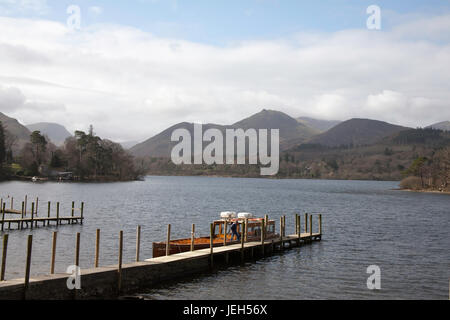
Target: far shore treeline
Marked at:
83, 157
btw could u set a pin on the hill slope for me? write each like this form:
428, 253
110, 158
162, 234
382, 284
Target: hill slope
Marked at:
16, 129
320, 125
56, 132
356, 132
161, 144
444, 125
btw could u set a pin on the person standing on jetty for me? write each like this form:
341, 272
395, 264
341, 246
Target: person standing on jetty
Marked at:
234, 230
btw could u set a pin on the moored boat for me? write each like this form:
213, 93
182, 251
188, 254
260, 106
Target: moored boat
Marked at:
227, 218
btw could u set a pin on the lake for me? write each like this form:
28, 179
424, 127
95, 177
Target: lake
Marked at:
365, 223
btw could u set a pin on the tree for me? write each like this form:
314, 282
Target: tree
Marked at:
39, 146
417, 168
57, 159
91, 157
10, 141
441, 169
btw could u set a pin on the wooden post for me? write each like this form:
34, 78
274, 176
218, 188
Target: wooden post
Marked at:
192, 237
97, 247
12, 203
73, 208
306, 223
266, 222
26, 203
211, 244
48, 213
37, 205
32, 215
310, 227
57, 214
281, 232
138, 242
246, 230
242, 240
320, 224
120, 260
262, 236
3, 215
22, 216
281, 228
296, 224
77, 250
5, 250
82, 212
225, 224
28, 265
168, 241
52, 262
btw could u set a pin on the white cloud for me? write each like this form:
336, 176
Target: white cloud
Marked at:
14, 103
130, 84
8, 7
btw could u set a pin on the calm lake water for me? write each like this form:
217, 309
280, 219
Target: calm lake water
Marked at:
364, 222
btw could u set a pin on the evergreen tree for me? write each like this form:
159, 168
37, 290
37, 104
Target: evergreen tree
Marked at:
39, 145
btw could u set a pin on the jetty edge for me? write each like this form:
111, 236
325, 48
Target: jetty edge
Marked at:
111, 282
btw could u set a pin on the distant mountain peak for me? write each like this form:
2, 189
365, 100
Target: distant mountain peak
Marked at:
444, 125
291, 132
356, 131
55, 132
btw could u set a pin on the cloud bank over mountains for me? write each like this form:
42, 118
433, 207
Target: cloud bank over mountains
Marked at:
131, 84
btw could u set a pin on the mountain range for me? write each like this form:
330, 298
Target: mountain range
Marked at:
55, 132
293, 132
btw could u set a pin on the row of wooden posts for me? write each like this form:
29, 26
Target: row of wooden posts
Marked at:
138, 245
34, 214
243, 237
77, 251
25, 202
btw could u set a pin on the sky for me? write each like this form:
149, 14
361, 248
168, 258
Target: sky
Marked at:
134, 68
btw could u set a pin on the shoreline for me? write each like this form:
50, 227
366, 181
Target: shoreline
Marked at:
267, 177
424, 191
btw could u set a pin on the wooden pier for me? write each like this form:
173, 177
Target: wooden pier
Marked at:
10, 217
113, 281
